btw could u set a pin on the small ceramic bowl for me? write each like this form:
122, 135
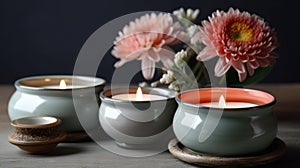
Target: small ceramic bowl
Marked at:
225, 131
35, 135
138, 124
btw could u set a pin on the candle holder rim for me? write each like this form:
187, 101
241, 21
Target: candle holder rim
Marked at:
101, 82
225, 109
108, 98
54, 123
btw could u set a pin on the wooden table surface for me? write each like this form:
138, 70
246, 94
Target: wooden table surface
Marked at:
89, 154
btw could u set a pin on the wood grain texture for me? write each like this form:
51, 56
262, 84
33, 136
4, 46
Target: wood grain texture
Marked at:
90, 154
275, 152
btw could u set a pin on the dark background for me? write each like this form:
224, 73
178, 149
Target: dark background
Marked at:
45, 36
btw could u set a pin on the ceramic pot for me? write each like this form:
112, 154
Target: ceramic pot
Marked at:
138, 124
76, 105
229, 131
36, 135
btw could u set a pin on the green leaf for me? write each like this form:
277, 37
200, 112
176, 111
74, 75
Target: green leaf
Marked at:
259, 74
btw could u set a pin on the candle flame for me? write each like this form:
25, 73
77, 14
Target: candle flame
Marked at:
222, 102
62, 84
139, 94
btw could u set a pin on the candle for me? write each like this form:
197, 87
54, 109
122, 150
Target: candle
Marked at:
62, 85
206, 119
223, 104
133, 119
67, 97
139, 96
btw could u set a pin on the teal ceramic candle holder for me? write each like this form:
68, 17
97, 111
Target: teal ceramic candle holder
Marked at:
138, 124
45, 96
225, 131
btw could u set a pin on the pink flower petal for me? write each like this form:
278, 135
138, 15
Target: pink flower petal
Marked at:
253, 46
253, 64
130, 57
250, 69
135, 55
221, 67
144, 38
120, 63
263, 62
167, 55
238, 66
242, 76
153, 56
206, 54
148, 68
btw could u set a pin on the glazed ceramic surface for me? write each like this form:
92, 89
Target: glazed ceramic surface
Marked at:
225, 131
33, 98
137, 123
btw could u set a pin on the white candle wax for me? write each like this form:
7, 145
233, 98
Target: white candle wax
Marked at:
132, 97
66, 87
229, 104
62, 85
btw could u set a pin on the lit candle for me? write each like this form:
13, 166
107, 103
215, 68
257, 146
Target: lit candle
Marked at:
67, 97
139, 96
223, 104
62, 85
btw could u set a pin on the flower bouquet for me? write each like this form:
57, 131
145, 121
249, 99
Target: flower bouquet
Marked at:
231, 48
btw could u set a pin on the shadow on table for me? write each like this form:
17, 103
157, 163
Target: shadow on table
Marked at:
65, 150
290, 159
62, 151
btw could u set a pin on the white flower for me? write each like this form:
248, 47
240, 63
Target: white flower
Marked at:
180, 58
190, 14
191, 32
174, 86
167, 78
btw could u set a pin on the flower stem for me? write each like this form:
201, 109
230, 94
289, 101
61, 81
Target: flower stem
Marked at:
222, 81
196, 67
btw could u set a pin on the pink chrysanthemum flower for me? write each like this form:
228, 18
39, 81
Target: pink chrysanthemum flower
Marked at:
147, 39
242, 41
